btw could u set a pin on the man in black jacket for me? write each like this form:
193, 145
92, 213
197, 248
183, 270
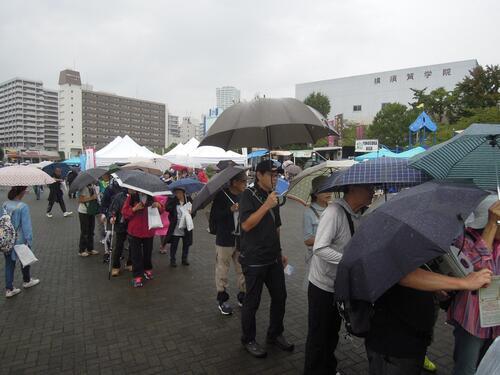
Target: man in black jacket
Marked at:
225, 211
261, 259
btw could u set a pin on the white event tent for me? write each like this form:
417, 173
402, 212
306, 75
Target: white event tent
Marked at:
190, 155
126, 150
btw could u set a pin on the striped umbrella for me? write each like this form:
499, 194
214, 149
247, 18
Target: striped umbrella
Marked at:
473, 154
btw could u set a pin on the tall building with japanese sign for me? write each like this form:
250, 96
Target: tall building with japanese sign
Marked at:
359, 98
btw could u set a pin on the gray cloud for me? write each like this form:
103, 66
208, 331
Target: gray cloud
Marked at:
178, 52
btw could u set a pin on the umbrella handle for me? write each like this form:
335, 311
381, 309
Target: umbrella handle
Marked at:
284, 201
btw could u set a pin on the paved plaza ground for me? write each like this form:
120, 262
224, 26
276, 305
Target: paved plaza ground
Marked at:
78, 322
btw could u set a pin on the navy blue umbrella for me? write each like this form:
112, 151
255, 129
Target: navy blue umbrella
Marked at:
414, 227
189, 185
385, 173
49, 169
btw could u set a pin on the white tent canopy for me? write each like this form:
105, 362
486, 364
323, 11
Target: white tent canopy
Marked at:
123, 150
190, 155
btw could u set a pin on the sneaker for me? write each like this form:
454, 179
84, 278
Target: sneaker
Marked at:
49, 214
129, 268
225, 308
105, 258
185, 263
429, 365
115, 272
31, 283
67, 213
12, 293
84, 254
93, 252
148, 275
137, 282
173, 264
241, 298
255, 349
163, 251
282, 343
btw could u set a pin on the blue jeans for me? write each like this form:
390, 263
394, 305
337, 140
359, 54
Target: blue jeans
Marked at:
467, 352
10, 265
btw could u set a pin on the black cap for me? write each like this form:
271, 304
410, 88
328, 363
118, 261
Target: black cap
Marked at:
269, 166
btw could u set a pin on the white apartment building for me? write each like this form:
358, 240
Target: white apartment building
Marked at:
190, 128
91, 118
28, 115
227, 96
174, 132
359, 98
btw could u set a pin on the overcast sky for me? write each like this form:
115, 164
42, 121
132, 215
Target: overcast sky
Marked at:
178, 52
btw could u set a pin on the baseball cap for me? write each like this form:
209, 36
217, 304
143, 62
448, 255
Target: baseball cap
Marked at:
479, 217
269, 166
317, 183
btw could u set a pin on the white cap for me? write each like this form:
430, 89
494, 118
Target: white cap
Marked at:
479, 217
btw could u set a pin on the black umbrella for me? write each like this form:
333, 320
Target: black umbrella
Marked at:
141, 181
267, 123
411, 229
216, 183
85, 178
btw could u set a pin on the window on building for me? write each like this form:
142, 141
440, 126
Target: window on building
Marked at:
356, 108
377, 80
393, 78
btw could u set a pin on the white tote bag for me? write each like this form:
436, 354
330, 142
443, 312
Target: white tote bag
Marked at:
25, 255
154, 218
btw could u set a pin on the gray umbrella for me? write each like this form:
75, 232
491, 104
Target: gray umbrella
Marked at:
141, 181
414, 227
216, 183
267, 123
85, 178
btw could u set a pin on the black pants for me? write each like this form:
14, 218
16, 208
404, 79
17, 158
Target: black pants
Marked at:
118, 246
141, 250
255, 278
59, 200
174, 243
87, 224
380, 364
323, 332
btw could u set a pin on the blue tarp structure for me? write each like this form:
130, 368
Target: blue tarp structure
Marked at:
412, 152
73, 161
383, 152
423, 121
257, 154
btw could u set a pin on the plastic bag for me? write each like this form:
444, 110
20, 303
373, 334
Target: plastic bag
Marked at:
154, 218
25, 255
490, 363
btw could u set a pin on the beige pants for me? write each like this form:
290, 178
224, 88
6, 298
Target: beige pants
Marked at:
223, 257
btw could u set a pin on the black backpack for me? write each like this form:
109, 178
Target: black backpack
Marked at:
212, 224
357, 314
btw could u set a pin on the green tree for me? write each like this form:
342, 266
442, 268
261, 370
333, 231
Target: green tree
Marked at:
479, 90
390, 125
2, 153
320, 102
170, 147
438, 104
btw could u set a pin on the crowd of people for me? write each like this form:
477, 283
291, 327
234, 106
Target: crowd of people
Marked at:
246, 223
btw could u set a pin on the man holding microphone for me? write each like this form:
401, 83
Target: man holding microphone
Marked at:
261, 259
